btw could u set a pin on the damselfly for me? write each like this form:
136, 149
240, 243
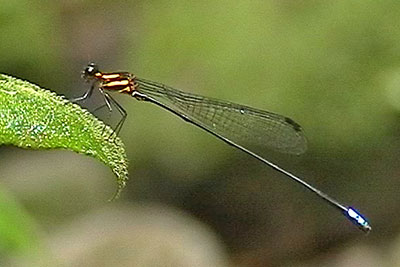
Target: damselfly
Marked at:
248, 129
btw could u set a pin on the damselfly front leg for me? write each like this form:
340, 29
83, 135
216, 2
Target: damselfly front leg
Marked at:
85, 96
110, 100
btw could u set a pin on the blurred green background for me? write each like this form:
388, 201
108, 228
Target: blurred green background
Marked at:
332, 66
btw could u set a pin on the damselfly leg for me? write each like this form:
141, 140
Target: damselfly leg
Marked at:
109, 101
85, 96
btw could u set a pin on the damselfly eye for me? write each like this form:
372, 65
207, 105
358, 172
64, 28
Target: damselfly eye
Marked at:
90, 71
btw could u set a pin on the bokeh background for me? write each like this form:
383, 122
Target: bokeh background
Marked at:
332, 66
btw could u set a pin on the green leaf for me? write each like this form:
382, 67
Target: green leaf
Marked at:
17, 228
35, 118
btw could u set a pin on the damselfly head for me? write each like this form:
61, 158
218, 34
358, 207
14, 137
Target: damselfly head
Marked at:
90, 71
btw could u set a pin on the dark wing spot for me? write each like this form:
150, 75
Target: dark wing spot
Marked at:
296, 126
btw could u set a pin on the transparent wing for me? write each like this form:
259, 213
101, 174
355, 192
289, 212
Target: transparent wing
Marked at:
253, 129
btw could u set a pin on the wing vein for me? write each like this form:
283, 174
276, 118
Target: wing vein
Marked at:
254, 129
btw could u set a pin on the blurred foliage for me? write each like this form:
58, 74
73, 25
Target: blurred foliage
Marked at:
328, 56
332, 66
17, 228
